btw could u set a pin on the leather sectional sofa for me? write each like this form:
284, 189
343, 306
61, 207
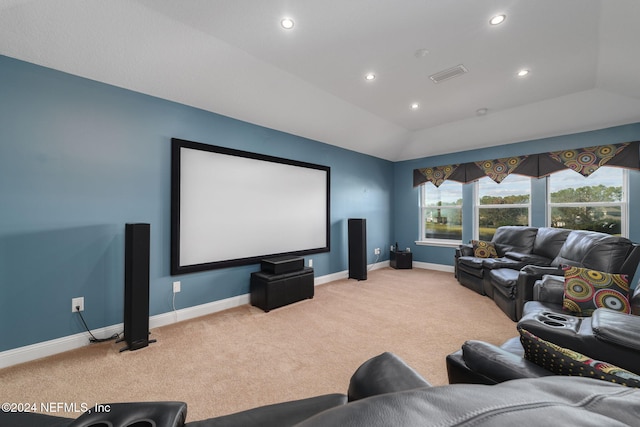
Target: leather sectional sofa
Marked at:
526, 254
385, 391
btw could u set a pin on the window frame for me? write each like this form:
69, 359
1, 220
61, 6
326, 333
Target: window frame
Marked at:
623, 204
477, 206
422, 240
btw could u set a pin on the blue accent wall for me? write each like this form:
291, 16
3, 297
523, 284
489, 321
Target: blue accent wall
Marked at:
79, 159
406, 227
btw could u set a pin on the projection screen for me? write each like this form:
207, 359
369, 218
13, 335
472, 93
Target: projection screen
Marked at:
232, 207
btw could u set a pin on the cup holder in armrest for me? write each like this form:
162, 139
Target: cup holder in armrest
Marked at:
554, 316
553, 323
553, 319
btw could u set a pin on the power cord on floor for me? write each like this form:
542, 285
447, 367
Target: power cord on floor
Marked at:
93, 339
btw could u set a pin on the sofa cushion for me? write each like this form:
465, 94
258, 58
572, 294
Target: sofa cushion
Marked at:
593, 250
504, 277
585, 290
563, 361
514, 238
484, 249
471, 265
502, 262
548, 241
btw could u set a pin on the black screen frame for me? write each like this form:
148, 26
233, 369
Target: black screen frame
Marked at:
176, 148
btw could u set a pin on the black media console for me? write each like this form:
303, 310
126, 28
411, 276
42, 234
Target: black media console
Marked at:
281, 281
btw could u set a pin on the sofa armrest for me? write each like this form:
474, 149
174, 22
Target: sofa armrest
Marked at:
527, 278
616, 328
385, 373
466, 249
532, 259
276, 415
158, 414
538, 271
549, 289
499, 364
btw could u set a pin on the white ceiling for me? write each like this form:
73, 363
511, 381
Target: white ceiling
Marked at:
232, 57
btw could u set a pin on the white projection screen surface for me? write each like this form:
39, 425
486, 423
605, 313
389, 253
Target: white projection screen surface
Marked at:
231, 207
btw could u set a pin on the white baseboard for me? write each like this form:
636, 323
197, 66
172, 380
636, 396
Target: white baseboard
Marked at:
51, 347
437, 267
71, 342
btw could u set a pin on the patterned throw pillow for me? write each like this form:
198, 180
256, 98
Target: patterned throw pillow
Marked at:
562, 361
585, 290
482, 249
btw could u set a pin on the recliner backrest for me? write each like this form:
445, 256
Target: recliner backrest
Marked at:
514, 238
594, 250
549, 240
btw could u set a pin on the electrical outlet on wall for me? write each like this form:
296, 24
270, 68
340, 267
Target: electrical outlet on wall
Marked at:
77, 304
376, 251
176, 287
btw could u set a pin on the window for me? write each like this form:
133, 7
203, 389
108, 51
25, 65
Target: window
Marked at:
597, 202
501, 204
441, 211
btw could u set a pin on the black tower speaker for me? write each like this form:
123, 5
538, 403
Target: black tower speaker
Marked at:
136, 286
357, 248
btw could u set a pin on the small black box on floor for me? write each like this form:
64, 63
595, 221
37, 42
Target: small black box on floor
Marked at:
269, 291
401, 260
282, 264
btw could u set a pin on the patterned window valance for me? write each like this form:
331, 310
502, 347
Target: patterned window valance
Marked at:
582, 160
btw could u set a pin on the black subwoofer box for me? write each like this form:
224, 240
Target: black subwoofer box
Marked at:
282, 264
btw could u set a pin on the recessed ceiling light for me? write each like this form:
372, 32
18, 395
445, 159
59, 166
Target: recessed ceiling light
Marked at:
481, 111
370, 76
287, 23
523, 73
415, 106
497, 20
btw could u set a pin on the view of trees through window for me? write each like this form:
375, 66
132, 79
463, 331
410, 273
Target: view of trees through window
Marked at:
595, 203
506, 203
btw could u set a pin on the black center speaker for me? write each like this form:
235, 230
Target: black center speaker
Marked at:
357, 230
136, 286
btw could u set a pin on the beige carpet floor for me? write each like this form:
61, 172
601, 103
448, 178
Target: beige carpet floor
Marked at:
244, 357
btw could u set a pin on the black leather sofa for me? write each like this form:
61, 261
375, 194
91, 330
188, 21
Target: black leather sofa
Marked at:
526, 254
385, 391
607, 335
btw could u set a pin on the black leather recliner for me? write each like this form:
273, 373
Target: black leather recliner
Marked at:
587, 249
471, 270
385, 391
607, 335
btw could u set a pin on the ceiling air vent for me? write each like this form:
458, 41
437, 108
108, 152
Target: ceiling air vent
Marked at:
449, 73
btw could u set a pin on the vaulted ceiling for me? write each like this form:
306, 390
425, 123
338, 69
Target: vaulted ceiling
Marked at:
233, 57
